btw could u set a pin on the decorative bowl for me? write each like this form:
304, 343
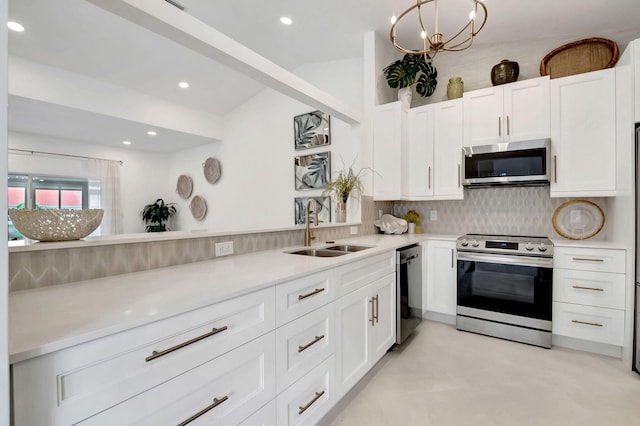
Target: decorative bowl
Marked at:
56, 224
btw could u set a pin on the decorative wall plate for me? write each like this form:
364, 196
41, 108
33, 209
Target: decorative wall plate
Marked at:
578, 219
198, 207
184, 187
212, 170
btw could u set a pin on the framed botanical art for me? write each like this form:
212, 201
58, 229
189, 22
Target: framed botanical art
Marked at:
312, 171
324, 209
311, 130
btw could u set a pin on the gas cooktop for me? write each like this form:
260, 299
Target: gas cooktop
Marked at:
507, 244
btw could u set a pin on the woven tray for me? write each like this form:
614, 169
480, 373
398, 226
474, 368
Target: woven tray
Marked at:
590, 54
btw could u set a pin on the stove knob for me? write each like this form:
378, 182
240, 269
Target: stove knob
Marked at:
542, 247
464, 243
475, 243
528, 246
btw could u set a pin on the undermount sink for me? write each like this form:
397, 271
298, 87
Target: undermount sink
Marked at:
318, 252
332, 251
348, 248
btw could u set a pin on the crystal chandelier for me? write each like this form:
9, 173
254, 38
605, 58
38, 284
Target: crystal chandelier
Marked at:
436, 42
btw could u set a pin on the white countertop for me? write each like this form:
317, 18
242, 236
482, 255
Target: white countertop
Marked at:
51, 318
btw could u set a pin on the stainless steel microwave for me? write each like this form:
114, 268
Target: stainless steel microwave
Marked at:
513, 163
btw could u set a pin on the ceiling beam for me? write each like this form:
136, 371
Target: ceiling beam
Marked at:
180, 27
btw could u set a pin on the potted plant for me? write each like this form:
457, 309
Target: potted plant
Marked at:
342, 186
402, 74
156, 214
413, 219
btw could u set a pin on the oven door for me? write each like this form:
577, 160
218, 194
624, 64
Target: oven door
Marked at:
506, 284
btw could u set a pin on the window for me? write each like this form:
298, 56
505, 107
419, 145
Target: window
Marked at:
45, 192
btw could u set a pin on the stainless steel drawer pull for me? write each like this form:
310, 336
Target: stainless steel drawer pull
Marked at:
315, 398
499, 126
156, 354
595, 324
216, 402
555, 169
316, 291
377, 307
373, 315
588, 288
586, 259
311, 343
429, 177
507, 125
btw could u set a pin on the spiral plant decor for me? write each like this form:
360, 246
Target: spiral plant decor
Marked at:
403, 72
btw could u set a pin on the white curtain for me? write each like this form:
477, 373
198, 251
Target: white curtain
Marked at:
104, 193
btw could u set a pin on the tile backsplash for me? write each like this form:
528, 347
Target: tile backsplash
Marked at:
496, 210
511, 211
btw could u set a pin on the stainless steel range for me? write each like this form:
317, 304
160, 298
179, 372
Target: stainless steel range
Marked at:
505, 287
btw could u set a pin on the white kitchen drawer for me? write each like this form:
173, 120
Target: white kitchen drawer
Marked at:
301, 296
589, 323
67, 386
589, 259
242, 381
310, 398
266, 416
303, 344
357, 274
601, 289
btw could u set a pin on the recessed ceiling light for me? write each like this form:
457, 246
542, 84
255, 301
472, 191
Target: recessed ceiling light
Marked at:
15, 26
286, 20
126, 143
151, 133
183, 84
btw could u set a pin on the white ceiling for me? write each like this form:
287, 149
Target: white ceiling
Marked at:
78, 36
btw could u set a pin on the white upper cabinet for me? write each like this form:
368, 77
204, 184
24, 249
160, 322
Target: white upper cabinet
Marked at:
418, 163
583, 135
636, 66
388, 135
512, 112
432, 158
448, 136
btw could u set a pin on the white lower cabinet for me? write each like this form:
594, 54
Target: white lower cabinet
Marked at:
589, 294
310, 398
67, 386
266, 416
221, 391
441, 283
303, 344
269, 357
365, 329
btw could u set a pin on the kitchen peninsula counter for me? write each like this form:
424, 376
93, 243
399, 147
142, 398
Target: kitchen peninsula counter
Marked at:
51, 318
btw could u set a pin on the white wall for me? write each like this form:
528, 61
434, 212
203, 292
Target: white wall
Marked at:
256, 191
143, 175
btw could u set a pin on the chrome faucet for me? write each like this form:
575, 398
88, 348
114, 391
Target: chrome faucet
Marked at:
308, 233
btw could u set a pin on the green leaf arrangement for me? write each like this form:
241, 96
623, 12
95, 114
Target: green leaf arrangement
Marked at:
403, 73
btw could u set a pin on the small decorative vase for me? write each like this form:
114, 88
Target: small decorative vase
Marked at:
341, 211
412, 228
505, 72
404, 96
455, 88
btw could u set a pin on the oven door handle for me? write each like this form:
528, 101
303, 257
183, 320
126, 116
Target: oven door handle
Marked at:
541, 262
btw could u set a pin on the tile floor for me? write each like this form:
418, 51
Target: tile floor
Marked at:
443, 377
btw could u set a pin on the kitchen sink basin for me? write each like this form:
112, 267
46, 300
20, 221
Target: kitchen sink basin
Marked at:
347, 247
331, 251
318, 252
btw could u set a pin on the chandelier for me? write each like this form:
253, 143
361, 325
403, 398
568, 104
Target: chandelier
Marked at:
435, 42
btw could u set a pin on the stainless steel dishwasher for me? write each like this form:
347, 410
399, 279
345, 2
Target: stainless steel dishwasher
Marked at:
408, 290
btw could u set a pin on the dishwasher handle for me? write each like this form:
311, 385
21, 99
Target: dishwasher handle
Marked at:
406, 259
